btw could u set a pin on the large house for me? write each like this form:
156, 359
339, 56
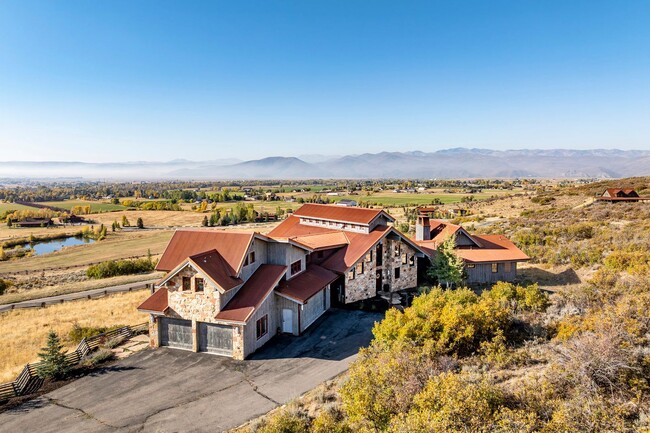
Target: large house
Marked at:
228, 293
488, 258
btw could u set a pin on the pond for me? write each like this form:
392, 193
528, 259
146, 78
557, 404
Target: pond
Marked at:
45, 247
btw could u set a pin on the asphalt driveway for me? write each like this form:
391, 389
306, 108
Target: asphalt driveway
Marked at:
167, 390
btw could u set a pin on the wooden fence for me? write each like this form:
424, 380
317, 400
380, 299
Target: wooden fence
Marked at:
28, 380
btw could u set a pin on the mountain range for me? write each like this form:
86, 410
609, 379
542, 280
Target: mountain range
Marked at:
448, 163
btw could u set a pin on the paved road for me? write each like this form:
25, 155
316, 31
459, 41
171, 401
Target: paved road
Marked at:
167, 390
94, 293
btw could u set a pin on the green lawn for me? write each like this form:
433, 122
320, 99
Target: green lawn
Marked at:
95, 206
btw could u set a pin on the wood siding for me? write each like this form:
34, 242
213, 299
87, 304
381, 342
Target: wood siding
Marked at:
482, 273
268, 307
314, 308
284, 303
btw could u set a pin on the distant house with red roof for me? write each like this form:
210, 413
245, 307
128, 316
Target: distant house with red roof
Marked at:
622, 194
229, 292
488, 258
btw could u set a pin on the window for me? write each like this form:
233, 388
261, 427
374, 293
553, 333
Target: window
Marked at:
262, 326
369, 256
351, 274
508, 267
470, 265
495, 268
359, 269
198, 284
397, 250
246, 261
412, 261
187, 283
296, 267
404, 259
396, 272
251, 257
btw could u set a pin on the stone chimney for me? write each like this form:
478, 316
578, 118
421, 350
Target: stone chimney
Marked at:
422, 228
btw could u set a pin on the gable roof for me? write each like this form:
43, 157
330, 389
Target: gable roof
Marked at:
441, 230
231, 246
253, 292
347, 214
216, 268
624, 192
156, 303
360, 244
305, 285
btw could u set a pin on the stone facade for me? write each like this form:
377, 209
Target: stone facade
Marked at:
154, 339
363, 285
238, 342
189, 304
394, 253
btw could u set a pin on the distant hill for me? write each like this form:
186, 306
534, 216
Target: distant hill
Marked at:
448, 163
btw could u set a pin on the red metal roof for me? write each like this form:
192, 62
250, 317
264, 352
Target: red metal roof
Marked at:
252, 293
321, 241
360, 244
232, 247
343, 259
494, 248
215, 267
302, 287
156, 302
441, 230
355, 215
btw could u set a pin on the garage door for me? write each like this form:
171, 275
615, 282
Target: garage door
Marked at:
215, 338
176, 333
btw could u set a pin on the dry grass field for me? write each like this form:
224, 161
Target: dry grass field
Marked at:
116, 245
24, 332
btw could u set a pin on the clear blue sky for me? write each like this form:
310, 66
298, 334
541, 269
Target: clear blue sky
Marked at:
158, 80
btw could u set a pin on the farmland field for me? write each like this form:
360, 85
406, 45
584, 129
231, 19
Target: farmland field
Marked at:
4, 207
95, 206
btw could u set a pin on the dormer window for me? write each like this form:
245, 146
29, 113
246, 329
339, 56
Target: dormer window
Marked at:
187, 284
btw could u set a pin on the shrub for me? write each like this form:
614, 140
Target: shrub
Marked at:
286, 421
98, 357
4, 285
113, 268
78, 332
115, 341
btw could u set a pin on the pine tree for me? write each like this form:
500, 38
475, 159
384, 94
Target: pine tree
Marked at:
204, 223
53, 363
448, 268
139, 223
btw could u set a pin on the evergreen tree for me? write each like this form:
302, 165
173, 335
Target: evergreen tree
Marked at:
125, 221
204, 223
447, 268
53, 363
139, 223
